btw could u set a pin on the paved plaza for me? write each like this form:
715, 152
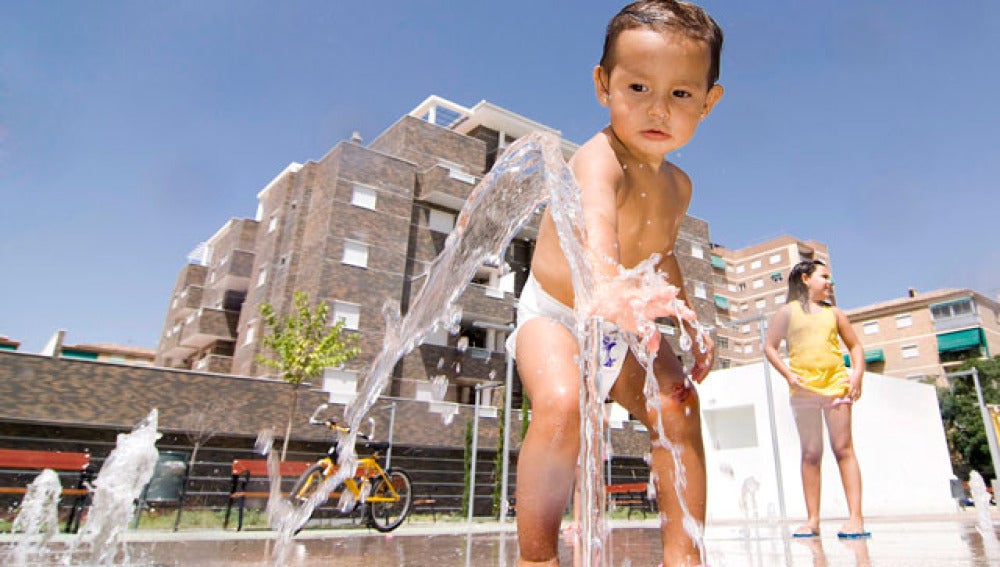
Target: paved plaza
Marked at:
939, 541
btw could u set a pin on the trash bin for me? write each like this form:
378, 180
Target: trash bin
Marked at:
168, 478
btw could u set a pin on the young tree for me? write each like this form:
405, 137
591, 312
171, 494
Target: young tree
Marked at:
303, 346
203, 422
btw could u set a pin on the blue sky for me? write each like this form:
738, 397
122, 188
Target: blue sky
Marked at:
131, 131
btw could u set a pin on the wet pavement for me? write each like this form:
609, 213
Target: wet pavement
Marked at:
941, 541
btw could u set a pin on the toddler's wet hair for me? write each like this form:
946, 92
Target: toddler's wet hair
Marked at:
666, 15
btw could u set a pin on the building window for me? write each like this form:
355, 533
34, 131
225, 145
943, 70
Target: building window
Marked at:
742, 286
349, 313
732, 287
779, 299
261, 278
355, 254
722, 342
776, 277
745, 329
697, 251
904, 321
364, 197
740, 269
757, 284
761, 303
910, 351
775, 258
755, 265
699, 290
440, 221
951, 309
272, 223
870, 327
748, 349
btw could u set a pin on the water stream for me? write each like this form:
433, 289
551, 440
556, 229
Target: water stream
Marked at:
118, 486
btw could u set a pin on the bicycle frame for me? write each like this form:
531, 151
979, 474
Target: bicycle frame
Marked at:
360, 483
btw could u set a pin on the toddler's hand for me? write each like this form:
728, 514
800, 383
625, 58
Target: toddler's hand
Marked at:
634, 307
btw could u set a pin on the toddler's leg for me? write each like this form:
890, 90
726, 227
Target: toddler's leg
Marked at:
546, 466
679, 412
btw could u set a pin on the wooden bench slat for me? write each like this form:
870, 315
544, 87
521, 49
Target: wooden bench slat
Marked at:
28, 459
258, 467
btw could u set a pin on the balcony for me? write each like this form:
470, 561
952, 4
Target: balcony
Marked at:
235, 272
206, 326
963, 321
171, 348
446, 186
189, 300
215, 363
484, 302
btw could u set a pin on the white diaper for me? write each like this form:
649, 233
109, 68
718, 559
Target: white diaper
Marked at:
536, 302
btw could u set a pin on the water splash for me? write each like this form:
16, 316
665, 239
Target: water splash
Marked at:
125, 472
981, 500
38, 518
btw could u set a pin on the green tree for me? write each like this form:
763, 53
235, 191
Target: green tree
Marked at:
303, 345
963, 422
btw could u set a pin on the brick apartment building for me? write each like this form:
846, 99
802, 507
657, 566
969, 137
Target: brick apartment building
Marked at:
750, 285
357, 229
925, 335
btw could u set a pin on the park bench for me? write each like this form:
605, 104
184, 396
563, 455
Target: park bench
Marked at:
15, 461
247, 471
633, 495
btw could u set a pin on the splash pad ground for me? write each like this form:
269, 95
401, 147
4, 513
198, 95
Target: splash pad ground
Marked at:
940, 541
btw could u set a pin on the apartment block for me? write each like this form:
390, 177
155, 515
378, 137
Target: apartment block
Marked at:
359, 228
923, 336
750, 285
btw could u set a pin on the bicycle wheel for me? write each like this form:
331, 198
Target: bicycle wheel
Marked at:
306, 485
386, 515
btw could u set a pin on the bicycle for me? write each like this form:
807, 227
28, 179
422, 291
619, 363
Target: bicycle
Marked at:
385, 495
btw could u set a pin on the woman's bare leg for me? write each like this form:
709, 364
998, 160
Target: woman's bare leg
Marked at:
838, 422
809, 423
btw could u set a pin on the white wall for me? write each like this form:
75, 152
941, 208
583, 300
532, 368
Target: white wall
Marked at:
898, 437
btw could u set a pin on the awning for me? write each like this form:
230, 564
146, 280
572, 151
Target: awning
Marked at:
875, 355
960, 340
718, 262
721, 302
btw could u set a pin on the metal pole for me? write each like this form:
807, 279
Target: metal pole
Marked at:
475, 448
774, 429
991, 437
509, 383
392, 425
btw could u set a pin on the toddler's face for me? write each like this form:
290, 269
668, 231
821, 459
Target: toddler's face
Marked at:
657, 90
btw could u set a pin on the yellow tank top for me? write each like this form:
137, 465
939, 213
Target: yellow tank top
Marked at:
814, 350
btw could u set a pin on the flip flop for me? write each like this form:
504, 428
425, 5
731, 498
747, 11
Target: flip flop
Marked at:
853, 535
805, 531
